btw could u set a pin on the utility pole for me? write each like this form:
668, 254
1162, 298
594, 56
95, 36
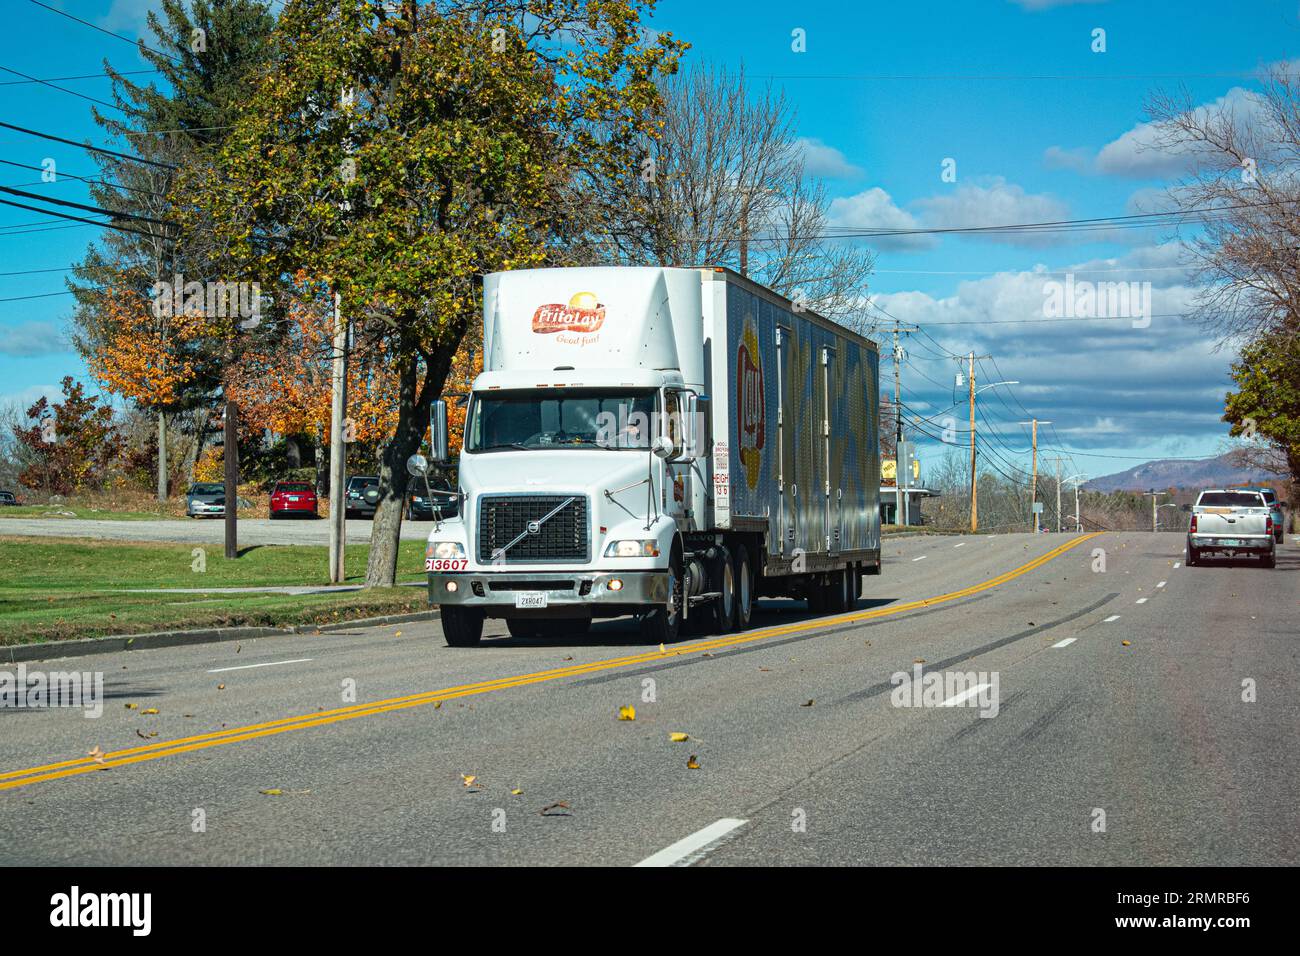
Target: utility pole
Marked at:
900, 498
1153, 495
1033, 482
230, 456
971, 359
338, 448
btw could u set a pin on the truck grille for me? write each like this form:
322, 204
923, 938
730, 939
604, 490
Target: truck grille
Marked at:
501, 518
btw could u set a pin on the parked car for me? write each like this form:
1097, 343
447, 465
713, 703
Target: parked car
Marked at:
357, 506
1231, 521
419, 506
205, 498
1275, 509
293, 498
8, 498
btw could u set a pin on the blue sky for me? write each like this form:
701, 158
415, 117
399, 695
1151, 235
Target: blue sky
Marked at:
1040, 128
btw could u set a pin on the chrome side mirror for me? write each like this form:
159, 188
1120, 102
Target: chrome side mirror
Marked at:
417, 466
438, 433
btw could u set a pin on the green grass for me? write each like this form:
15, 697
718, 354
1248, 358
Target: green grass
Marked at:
57, 589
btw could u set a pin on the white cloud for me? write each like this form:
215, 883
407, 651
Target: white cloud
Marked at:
823, 161
1104, 384
997, 203
29, 396
129, 16
1077, 160
874, 209
31, 339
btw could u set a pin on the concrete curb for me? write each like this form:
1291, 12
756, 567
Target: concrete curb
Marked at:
52, 650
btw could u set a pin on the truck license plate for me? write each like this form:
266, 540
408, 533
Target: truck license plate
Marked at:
530, 599
1229, 542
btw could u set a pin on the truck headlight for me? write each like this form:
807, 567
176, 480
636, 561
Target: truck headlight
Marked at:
444, 549
629, 548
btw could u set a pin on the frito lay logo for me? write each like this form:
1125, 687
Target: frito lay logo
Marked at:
583, 314
752, 409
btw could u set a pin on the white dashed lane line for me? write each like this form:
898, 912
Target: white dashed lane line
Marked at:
244, 667
921, 558
686, 851
1161, 584
1177, 564
1141, 601
1065, 643
1113, 617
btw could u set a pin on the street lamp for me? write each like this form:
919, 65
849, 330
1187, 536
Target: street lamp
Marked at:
1075, 480
974, 482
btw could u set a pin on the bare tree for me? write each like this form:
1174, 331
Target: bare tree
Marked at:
1242, 194
725, 183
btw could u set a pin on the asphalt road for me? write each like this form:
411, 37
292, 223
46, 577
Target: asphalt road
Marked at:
803, 756
204, 530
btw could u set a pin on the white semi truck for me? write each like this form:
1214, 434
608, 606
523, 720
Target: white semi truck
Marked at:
663, 442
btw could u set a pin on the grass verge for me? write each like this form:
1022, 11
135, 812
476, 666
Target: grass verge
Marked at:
60, 589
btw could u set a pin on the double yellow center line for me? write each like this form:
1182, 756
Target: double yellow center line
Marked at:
120, 758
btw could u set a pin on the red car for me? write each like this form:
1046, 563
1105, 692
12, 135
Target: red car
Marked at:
293, 497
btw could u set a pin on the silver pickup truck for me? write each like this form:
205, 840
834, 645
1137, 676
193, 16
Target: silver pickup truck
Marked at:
1231, 522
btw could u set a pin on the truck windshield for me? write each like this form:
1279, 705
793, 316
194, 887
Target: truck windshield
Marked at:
1231, 499
561, 418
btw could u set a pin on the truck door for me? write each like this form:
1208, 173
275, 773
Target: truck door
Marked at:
677, 474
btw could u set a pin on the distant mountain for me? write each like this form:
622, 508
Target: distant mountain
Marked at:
1174, 473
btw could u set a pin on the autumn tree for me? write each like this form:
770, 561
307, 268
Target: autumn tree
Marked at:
399, 151
205, 53
71, 444
1266, 405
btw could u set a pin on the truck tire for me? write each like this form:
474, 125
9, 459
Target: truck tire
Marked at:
663, 624
840, 596
722, 611
461, 626
816, 597
1269, 560
744, 588
1193, 556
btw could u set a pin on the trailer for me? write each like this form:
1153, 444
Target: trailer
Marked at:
665, 442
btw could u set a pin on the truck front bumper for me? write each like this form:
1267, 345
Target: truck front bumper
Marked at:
497, 590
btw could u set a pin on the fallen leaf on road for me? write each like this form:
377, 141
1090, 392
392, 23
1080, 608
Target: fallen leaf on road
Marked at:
467, 779
96, 753
238, 648
398, 634
221, 687
141, 734
546, 810
661, 649
516, 792
569, 658
678, 737
1125, 643
150, 710
131, 706
437, 705
692, 763
809, 704
919, 660
271, 793
627, 713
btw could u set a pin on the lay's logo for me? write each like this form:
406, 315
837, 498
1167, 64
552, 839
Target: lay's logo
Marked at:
583, 314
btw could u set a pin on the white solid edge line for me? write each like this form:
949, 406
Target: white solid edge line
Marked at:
1113, 617
1161, 584
965, 695
921, 558
691, 848
960, 544
244, 667
1065, 643
1140, 601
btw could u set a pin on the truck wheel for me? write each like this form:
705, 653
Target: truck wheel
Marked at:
744, 588
461, 626
661, 625
840, 595
1269, 560
521, 629
723, 608
1193, 556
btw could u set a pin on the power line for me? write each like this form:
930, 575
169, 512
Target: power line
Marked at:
124, 39
82, 206
83, 76
93, 149
112, 106
92, 222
